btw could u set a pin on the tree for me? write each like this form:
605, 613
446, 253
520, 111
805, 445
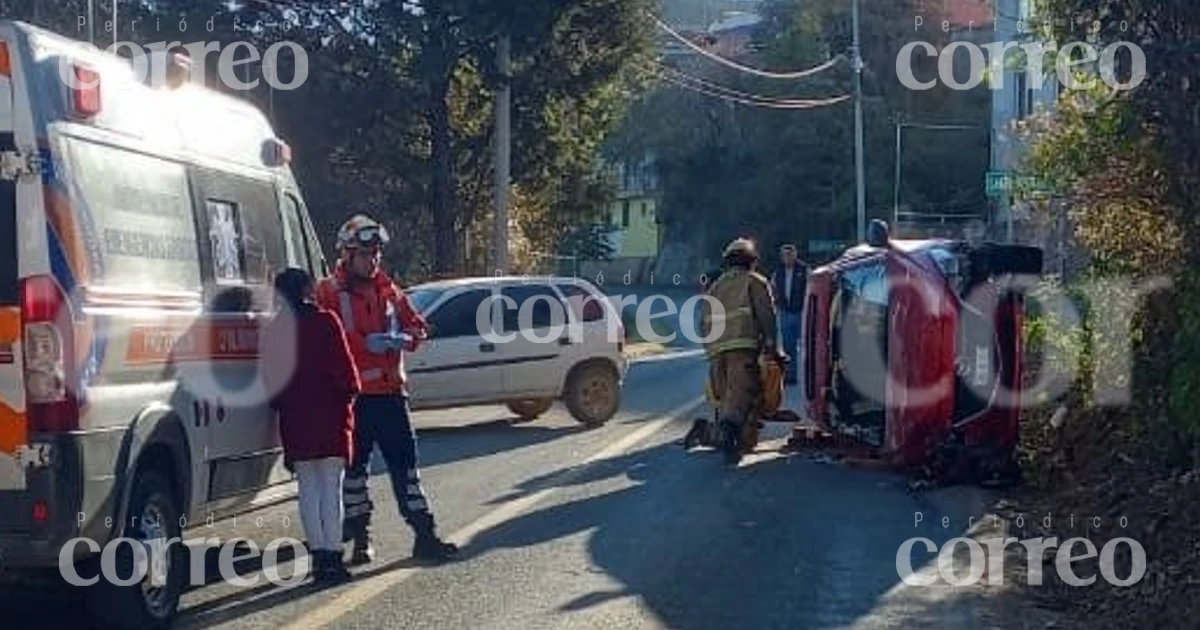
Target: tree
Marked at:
787, 174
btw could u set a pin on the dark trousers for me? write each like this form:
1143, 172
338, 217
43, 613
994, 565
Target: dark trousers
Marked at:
384, 420
789, 329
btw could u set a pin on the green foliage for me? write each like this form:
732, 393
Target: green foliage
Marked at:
588, 241
1127, 163
787, 175
396, 116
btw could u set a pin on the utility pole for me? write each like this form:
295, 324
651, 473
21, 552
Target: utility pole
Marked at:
503, 154
858, 130
115, 23
91, 22
896, 185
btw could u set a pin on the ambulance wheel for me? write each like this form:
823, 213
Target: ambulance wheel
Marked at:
529, 410
143, 605
593, 394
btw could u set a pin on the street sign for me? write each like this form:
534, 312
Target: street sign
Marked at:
997, 183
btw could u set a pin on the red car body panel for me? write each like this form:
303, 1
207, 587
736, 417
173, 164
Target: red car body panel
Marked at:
931, 332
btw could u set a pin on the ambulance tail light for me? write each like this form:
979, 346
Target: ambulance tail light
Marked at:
85, 93
48, 341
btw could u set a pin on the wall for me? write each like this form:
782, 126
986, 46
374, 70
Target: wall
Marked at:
639, 237
1007, 149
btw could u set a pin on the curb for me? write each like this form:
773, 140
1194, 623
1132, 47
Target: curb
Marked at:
667, 356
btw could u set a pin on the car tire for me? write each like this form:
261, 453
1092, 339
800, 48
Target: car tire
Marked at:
141, 606
528, 410
593, 394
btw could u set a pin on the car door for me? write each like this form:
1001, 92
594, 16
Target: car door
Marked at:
457, 365
537, 346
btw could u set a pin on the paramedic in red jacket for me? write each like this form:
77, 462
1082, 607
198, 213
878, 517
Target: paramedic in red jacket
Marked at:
310, 375
381, 324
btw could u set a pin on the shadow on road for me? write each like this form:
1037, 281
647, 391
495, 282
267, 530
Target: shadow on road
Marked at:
245, 602
780, 543
443, 445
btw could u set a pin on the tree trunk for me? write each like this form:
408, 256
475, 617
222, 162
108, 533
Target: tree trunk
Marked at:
443, 196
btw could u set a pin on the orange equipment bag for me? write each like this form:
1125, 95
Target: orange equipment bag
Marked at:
771, 375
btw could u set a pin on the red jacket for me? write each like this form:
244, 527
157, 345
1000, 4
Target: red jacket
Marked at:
368, 305
311, 379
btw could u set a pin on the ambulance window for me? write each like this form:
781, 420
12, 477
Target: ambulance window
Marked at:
225, 239
293, 229
140, 220
265, 249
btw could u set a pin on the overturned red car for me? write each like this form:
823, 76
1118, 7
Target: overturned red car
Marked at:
913, 349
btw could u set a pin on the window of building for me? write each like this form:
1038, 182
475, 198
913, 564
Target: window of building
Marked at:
1024, 96
624, 214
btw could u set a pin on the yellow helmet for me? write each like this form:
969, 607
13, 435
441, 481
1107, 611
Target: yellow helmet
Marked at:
741, 247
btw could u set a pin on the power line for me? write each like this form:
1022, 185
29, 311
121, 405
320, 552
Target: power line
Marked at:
737, 66
770, 104
683, 76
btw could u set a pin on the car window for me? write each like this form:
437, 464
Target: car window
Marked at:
584, 304
540, 305
867, 283
458, 316
422, 299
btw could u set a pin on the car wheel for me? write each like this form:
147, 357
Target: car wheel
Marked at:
528, 410
593, 394
144, 605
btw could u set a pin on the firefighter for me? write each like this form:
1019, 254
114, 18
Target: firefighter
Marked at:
749, 331
374, 312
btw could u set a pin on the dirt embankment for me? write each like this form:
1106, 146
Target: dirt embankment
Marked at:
1091, 475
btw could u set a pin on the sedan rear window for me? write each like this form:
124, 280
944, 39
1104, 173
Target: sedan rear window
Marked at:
585, 305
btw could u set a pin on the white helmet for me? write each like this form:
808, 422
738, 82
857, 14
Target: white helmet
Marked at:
361, 231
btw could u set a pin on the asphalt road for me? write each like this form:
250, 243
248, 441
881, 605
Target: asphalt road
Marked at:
618, 527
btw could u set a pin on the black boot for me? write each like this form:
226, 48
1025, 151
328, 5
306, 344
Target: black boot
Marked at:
364, 551
429, 547
730, 444
335, 569
318, 564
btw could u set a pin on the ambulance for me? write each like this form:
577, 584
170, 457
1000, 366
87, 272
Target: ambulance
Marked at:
141, 223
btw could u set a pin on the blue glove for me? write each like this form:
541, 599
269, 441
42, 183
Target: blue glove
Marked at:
380, 343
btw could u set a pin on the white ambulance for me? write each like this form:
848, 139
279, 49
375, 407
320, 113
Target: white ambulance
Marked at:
140, 226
